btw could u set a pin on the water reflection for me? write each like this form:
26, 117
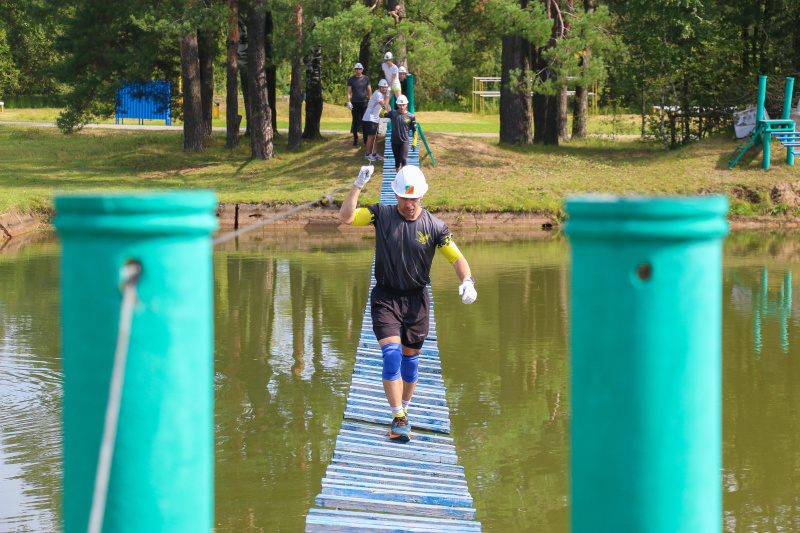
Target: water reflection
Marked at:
288, 316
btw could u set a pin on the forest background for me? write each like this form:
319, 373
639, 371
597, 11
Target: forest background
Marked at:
698, 55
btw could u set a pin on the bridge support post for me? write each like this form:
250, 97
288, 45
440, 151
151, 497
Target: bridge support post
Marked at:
646, 451
161, 476
786, 115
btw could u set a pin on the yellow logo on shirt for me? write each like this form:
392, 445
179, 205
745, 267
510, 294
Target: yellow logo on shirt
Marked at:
423, 239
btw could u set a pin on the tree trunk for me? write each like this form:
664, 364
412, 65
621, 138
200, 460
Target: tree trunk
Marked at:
580, 112
272, 71
243, 73
545, 108
260, 120
580, 116
314, 101
515, 93
193, 137
295, 95
363, 56
563, 109
205, 49
232, 118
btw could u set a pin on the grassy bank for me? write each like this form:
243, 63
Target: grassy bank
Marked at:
472, 174
338, 118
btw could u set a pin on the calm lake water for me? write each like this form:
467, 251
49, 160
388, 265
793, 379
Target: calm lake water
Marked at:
288, 315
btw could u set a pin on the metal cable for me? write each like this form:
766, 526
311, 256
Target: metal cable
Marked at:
131, 274
232, 235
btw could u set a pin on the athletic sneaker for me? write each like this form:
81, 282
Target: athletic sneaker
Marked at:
400, 429
369, 157
377, 157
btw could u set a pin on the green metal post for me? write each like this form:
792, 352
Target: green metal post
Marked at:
162, 468
766, 138
786, 115
646, 425
410, 95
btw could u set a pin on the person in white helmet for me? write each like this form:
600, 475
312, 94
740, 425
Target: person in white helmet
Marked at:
392, 75
407, 237
402, 75
403, 124
358, 93
372, 116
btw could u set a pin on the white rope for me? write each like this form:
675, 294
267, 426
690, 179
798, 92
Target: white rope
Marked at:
130, 275
234, 234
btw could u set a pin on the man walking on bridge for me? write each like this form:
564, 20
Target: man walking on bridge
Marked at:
406, 239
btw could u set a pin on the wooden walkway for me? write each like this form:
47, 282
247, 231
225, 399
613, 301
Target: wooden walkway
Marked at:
375, 484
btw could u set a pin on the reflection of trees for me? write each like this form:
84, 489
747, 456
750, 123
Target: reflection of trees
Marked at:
30, 384
510, 413
283, 322
761, 395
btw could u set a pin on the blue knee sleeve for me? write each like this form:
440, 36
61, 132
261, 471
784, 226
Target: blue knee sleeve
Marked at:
408, 368
392, 354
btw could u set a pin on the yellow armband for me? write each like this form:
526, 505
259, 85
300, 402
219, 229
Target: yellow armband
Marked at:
450, 251
363, 217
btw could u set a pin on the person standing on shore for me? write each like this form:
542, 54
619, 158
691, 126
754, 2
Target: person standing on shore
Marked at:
372, 117
402, 75
403, 124
358, 93
406, 239
392, 76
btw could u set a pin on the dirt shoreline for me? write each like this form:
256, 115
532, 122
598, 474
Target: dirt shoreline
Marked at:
230, 216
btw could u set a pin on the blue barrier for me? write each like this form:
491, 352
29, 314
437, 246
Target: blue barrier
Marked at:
148, 100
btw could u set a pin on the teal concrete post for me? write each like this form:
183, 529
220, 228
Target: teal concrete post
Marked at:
762, 95
766, 138
786, 114
646, 425
162, 468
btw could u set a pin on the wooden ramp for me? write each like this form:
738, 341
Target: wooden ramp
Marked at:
374, 483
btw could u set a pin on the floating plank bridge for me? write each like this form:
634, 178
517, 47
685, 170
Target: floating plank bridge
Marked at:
374, 483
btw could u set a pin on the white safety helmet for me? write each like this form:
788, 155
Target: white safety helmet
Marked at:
402, 100
383, 83
403, 70
410, 183
359, 65
387, 56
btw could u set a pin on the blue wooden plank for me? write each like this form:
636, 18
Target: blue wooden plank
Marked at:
316, 524
428, 470
379, 501
419, 398
359, 459
442, 524
397, 451
379, 430
391, 477
420, 411
389, 483
381, 441
384, 415
393, 494
436, 391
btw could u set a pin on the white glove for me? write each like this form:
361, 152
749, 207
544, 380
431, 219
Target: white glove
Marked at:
350, 106
467, 291
363, 176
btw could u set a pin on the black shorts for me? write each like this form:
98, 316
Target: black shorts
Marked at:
370, 128
400, 315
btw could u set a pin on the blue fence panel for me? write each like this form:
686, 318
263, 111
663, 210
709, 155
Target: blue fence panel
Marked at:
148, 100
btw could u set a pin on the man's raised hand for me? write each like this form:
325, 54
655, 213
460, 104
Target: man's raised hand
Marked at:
363, 176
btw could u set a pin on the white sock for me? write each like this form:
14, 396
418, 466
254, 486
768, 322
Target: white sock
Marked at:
405, 405
397, 411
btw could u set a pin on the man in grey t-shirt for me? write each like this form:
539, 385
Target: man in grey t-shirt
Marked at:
406, 239
358, 93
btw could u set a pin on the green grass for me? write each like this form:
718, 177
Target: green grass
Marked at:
338, 118
473, 174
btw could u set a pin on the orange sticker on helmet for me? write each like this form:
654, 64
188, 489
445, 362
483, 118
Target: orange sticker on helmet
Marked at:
409, 189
